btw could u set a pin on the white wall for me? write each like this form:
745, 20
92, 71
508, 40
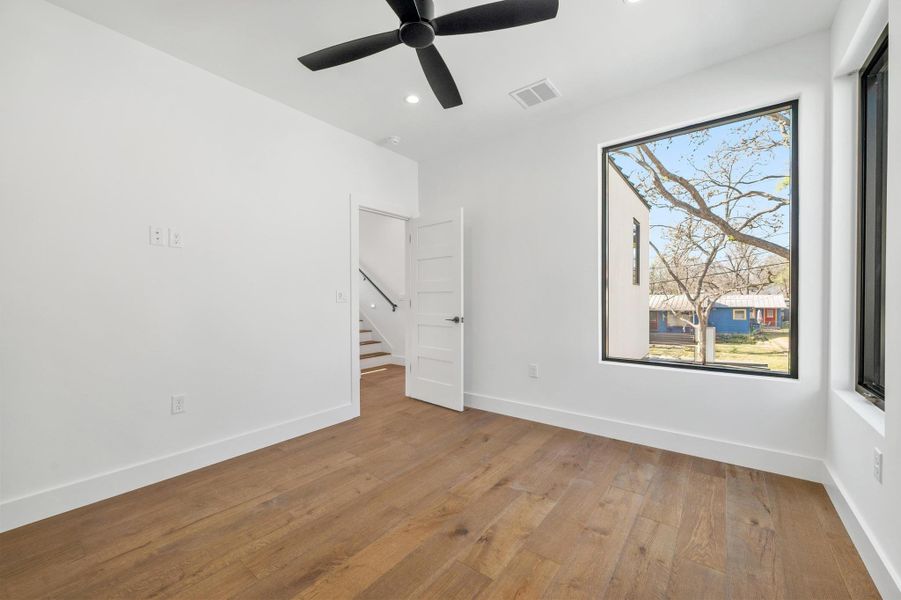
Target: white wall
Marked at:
382, 257
102, 137
855, 427
532, 274
383, 251
628, 304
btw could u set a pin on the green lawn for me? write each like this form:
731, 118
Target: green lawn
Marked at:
771, 348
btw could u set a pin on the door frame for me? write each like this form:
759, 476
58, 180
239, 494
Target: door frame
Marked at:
357, 203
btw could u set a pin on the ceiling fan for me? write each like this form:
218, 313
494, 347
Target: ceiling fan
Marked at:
418, 28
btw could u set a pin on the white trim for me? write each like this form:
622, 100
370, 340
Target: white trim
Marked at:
40, 505
871, 25
887, 581
384, 213
868, 412
765, 459
354, 305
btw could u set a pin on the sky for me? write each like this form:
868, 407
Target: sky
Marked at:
685, 154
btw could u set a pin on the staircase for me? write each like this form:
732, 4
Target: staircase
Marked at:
373, 352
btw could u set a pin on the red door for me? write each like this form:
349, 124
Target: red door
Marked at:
769, 317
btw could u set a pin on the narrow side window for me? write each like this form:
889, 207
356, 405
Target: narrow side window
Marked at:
871, 225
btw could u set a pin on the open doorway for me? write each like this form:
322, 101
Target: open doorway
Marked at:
383, 299
407, 302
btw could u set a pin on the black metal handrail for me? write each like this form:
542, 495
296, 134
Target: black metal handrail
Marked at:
379, 290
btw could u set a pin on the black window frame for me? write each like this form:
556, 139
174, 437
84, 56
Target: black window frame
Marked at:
872, 177
794, 107
636, 252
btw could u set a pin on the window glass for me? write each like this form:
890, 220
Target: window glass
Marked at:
707, 278
871, 232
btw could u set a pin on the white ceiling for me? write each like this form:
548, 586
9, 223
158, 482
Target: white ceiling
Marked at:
594, 50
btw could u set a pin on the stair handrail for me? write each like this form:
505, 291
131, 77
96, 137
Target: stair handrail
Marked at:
379, 290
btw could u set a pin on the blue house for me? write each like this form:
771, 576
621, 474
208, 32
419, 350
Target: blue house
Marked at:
737, 314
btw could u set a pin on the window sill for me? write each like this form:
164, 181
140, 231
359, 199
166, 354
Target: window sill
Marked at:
866, 410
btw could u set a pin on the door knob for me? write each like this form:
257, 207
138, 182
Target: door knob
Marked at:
455, 320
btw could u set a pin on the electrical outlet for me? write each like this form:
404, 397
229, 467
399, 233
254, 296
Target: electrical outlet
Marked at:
877, 464
533, 371
175, 239
178, 403
156, 236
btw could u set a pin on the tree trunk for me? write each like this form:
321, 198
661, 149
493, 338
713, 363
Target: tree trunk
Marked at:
701, 345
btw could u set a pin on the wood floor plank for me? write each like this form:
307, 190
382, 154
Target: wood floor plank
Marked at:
459, 582
643, 570
553, 538
285, 569
494, 549
587, 568
752, 572
527, 576
747, 499
419, 568
636, 473
692, 581
857, 580
357, 573
808, 566
412, 500
702, 529
666, 494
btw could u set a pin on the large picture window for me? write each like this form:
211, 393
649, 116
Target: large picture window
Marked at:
871, 232
713, 282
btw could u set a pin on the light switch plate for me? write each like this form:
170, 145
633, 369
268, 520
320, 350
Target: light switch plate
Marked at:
340, 296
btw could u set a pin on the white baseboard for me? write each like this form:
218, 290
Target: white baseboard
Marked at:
40, 505
398, 360
775, 461
887, 581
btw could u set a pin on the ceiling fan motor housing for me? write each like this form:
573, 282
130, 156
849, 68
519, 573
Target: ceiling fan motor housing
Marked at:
417, 34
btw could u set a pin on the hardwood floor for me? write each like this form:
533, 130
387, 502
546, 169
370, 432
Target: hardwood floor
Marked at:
414, 501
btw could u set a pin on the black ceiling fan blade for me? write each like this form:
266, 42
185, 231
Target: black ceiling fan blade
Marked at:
497, 15
426, 9
439, 77
350, 51
405, 10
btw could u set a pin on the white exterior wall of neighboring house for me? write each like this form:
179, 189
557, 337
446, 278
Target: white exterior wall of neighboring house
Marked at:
627, 321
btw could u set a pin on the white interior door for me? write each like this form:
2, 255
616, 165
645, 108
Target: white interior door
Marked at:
435, 325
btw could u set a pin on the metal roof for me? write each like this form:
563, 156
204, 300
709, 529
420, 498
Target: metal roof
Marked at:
681, 303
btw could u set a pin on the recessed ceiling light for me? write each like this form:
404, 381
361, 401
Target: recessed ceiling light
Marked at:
412, 99
631, 1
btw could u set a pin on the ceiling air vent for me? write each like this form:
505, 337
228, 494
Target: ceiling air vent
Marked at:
536, 93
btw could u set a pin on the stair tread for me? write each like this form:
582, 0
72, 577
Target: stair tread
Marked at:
365, 331
367, 342
374, 354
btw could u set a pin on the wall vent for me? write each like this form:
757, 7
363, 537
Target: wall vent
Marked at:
535, 93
